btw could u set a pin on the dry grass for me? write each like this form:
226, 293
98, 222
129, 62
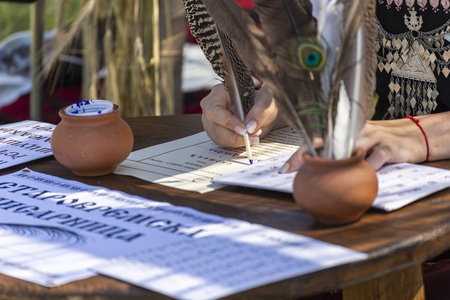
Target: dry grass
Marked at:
139, 44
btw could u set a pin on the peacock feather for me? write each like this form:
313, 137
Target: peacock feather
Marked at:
311, 64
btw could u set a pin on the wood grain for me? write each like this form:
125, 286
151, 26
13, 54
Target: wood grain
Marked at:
403, 285
395, 241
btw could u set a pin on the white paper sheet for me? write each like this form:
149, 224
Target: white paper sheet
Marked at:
53, 231
24, 141
402, 184
398, 184
191, 163
243, 256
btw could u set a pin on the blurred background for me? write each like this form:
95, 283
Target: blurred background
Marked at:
138, 54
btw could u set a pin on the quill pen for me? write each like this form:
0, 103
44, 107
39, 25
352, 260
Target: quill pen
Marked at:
348, 78
225, 61
264, 51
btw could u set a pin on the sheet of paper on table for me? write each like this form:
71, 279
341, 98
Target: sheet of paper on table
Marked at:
398, 184
191, 163
24, 141
53, 231
238, 258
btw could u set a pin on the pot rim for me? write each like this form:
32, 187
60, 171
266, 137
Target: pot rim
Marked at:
88, 108
63, 114
357, 155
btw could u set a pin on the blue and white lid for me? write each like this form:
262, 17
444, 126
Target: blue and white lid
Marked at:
90, 108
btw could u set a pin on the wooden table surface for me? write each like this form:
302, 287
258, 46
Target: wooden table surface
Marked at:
397, 242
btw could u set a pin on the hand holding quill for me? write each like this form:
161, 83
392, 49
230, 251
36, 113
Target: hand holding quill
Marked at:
219, 50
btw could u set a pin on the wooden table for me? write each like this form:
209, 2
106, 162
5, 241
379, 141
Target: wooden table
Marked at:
397, 242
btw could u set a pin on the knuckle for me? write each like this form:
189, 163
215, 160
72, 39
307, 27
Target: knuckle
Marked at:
209, 114
204, 103
229, 123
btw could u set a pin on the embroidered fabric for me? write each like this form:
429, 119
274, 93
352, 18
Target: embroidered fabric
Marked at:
414, 59
423, 4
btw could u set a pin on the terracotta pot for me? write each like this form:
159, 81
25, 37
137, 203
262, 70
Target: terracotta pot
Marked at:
336, 191
91, 143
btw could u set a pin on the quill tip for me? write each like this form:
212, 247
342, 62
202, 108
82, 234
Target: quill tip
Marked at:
251, 161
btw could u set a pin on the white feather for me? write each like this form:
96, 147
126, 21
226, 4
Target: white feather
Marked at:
345, 127
330, 26
341, 128
354, 127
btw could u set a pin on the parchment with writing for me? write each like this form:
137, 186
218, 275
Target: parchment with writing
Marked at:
53, 231
191, 163
402, 184
24, 141
398, 184
237, 257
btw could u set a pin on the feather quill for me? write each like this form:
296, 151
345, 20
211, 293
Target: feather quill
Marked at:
340, 133
269, 54
266, 53
348, 31
221, 53
355, 107
226, 62
359, 77
329, 29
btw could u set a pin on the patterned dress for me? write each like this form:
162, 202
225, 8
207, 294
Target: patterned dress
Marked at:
413, 51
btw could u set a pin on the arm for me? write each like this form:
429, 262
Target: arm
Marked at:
402, 140
396, 141
390, 141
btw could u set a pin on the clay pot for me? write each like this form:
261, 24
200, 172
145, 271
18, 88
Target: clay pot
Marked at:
336, 191
91, 140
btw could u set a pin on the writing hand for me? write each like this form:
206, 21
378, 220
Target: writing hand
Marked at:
225, 128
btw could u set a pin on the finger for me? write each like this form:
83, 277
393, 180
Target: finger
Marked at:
378, 157
257, 133
368, 139
216, 112
221, 135
294, 162
263, 114
223, 117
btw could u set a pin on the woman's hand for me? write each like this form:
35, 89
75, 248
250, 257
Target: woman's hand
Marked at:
384, 141
392, 142
227, 129
403, 141
396, 141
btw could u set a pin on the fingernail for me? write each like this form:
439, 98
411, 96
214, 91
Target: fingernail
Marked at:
251, 126
254, 140
240, 130
284, 168
258, 133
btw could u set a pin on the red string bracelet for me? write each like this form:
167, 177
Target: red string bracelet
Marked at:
415, 120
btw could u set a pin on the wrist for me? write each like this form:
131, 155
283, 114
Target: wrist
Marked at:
423, 135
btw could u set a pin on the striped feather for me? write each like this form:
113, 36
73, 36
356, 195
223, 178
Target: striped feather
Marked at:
221, 53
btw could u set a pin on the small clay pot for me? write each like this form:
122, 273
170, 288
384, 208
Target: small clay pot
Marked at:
91, 143
336, 191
